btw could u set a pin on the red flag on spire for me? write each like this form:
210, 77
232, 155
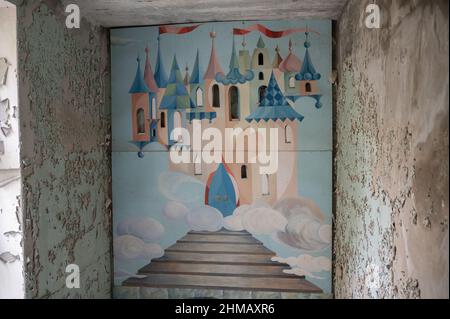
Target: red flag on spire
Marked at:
177, 30
270, 33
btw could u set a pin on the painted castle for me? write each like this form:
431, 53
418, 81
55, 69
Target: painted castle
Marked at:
257, 91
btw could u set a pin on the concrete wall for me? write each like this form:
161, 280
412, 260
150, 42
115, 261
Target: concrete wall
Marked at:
391, 223
65, 152
11, 250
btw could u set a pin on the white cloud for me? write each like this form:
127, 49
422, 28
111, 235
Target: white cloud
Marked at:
205, 218
305, 227
258, 218
175, 210
145, 228
305, 265
181, 187
263, 221
131, 247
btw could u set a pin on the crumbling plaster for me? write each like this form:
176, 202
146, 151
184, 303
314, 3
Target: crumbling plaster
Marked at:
65, 152
391, 220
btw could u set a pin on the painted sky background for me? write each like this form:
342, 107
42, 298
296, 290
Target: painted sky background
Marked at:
135, 190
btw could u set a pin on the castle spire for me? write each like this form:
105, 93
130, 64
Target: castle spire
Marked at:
234, 76
160, 74
307, 71
291, 63
139, 85
186, 76
195, 76
213, 65
148, 73
277, 59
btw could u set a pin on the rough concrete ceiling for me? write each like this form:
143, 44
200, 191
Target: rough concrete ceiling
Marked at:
119, 13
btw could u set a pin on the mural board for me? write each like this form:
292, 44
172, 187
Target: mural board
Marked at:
222, 156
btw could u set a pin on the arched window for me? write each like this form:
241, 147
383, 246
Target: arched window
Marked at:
261, 76
163, 119
292, 82
244, 172
177, 123
233, 95
261, 92
198, 164
154, 108
288, 134
140, 119
199, 97
308, 87
265, 184
215, 96
260, 59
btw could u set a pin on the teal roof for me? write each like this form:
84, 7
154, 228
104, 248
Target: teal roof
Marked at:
274, 106
160, 73
195, 76
234, 76
176, 96
307, 72
260, 44
139, 85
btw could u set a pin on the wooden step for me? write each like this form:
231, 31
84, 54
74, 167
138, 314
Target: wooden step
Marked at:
217, 269
215, 248
223, 282
223, 231
224, 258
219, 238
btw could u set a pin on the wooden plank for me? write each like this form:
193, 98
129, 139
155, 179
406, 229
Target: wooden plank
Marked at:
216, 269
224, 258
220, 248
223, 282
219, 239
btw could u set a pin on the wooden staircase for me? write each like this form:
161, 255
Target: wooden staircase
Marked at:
220, 260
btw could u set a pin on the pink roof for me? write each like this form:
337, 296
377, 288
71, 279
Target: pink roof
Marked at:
148, 74
213, 66
291, 63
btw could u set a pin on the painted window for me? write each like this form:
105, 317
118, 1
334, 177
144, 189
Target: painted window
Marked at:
199, 97
154, 108
197, 164
140, 118
163, 119
308, 87
265, 184
177, 123
261, 76
292, 82
288, 134
154, 133
261, 92
260, 59
234, 103
244, 172
215, 96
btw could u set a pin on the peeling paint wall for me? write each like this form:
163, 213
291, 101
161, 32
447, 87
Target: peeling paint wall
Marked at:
11, 250
391, 223
65, 152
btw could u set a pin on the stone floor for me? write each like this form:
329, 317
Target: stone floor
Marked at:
121, 292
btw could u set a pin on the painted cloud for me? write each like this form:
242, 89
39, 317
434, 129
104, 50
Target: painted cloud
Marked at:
205, 218
306, 265
131, 247
145, 228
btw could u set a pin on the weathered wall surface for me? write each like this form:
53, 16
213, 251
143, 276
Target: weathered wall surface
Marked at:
391, 223
11, 250
65, 155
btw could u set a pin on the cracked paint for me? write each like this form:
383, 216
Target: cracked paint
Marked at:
64, 121
391, 221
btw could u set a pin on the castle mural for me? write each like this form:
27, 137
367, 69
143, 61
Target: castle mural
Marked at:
200, 222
